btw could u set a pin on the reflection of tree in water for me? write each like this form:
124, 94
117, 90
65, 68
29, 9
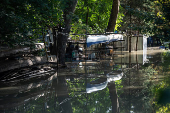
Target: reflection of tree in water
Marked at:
82, 102
136, 94
161, 90
63, 95
96, 102
114, 97
59, 95
47, 98
69, 95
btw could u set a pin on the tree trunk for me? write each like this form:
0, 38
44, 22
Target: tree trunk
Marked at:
87, 16
113, 16
62, 37
53, 50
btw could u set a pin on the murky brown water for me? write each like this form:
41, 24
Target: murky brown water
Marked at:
131, 83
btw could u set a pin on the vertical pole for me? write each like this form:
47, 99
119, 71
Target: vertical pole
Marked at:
105, 51
113, 51
137, 41
137, 62
121, 54
129, 82
57, 49
87, 15
44, 43
130, 32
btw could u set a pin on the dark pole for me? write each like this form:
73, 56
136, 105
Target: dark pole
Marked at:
130, 31
137, 41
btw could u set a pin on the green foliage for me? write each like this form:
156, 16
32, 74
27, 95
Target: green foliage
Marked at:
94, 14
20, 17
166, 62
160, 90
98, 102
80, 28
149, 17
119, 18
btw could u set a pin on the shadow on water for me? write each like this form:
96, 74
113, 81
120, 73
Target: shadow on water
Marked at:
127, 84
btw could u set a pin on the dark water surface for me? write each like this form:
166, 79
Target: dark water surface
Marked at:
131, 83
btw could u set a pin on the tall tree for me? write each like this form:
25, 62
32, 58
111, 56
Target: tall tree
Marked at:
113, 16
63, 34
94, 14
19, 17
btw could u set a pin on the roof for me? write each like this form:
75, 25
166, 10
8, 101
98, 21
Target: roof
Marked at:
96, 39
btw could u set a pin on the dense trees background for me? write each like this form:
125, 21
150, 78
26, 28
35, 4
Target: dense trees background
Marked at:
18, 18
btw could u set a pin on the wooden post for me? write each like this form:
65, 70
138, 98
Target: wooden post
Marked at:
137, 41
44, 43
121, 54
130, 37
130, 33
113, 51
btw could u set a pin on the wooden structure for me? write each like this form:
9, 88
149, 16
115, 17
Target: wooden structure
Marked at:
99, 49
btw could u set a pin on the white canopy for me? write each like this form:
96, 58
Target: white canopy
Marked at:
96, 39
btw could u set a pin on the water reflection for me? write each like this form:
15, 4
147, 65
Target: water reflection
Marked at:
63, 95
122, 85
102, 83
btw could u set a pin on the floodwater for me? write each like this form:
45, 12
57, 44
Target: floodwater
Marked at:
136, 82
